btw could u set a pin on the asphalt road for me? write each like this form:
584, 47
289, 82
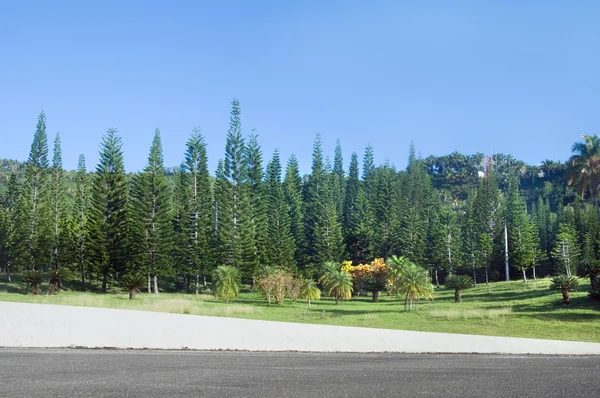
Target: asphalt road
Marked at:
114, 373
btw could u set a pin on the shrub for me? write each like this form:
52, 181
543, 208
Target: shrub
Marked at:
33, 279
227, 281
459, 283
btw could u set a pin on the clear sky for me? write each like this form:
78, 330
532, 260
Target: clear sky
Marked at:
518, 77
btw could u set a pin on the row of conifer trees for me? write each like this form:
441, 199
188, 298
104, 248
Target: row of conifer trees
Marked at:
179, 226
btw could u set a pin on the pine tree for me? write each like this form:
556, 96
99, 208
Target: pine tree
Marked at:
234, 196
448, 240
34, 218
385, 210
81, 215
486, 218
322, 227
413, 210
521, 248
292, 187
8, 227
338, 182
151, 209
566, 250
253, 238
58, 204
351, 196
280, 242
108, 211
197, 210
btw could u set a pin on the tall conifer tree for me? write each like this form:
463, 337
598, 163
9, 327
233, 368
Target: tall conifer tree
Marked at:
280, 243
151, 208
292, 186
33, 243
58, 209
81, 216
109, 210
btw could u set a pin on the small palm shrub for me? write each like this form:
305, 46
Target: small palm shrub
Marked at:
227, 281
310, 291
55, 276
338, 284
565, 283
132, 283
33, 279
412, 282
459, 283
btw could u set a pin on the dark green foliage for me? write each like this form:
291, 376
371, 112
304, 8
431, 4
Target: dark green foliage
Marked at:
151, 212
194, 214
279, 239
80, 218
292, 190
447, 214
33, 244
233, 199
459, 283
565, 284
58, 210
254, 210
322, 226
108, 210
33, 279
132, 282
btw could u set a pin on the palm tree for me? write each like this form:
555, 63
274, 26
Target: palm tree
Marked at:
565, 283
33, 279
132, 283
397, 265
339, 285
56, 275
584, 168
328, 269
412, 283
227, 281
310, 291
459, 283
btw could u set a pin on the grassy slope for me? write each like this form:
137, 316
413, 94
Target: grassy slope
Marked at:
500, 309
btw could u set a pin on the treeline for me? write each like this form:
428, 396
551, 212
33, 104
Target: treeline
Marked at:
492, 217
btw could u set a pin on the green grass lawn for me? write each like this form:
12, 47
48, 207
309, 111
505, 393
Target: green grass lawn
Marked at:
501, 309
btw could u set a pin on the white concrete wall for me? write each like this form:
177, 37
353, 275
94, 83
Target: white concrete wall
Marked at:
36, 325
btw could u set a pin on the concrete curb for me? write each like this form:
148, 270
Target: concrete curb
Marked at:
56, 326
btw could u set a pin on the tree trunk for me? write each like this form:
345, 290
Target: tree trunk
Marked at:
8, 276
204, 282
308, 298
149, 284
457, 296
52, 289
196, 289
82, 278
437, 281
155, 284
34, 290
104, 281
594, 283
506, 270
131, 294
375, 295
524, 276
474, 276
566, 300
487, 278
534, 277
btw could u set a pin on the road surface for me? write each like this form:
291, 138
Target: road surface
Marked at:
116, 373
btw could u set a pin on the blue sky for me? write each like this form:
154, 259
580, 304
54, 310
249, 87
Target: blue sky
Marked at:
470, 76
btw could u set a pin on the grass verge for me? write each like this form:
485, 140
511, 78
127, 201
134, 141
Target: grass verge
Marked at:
511, 309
